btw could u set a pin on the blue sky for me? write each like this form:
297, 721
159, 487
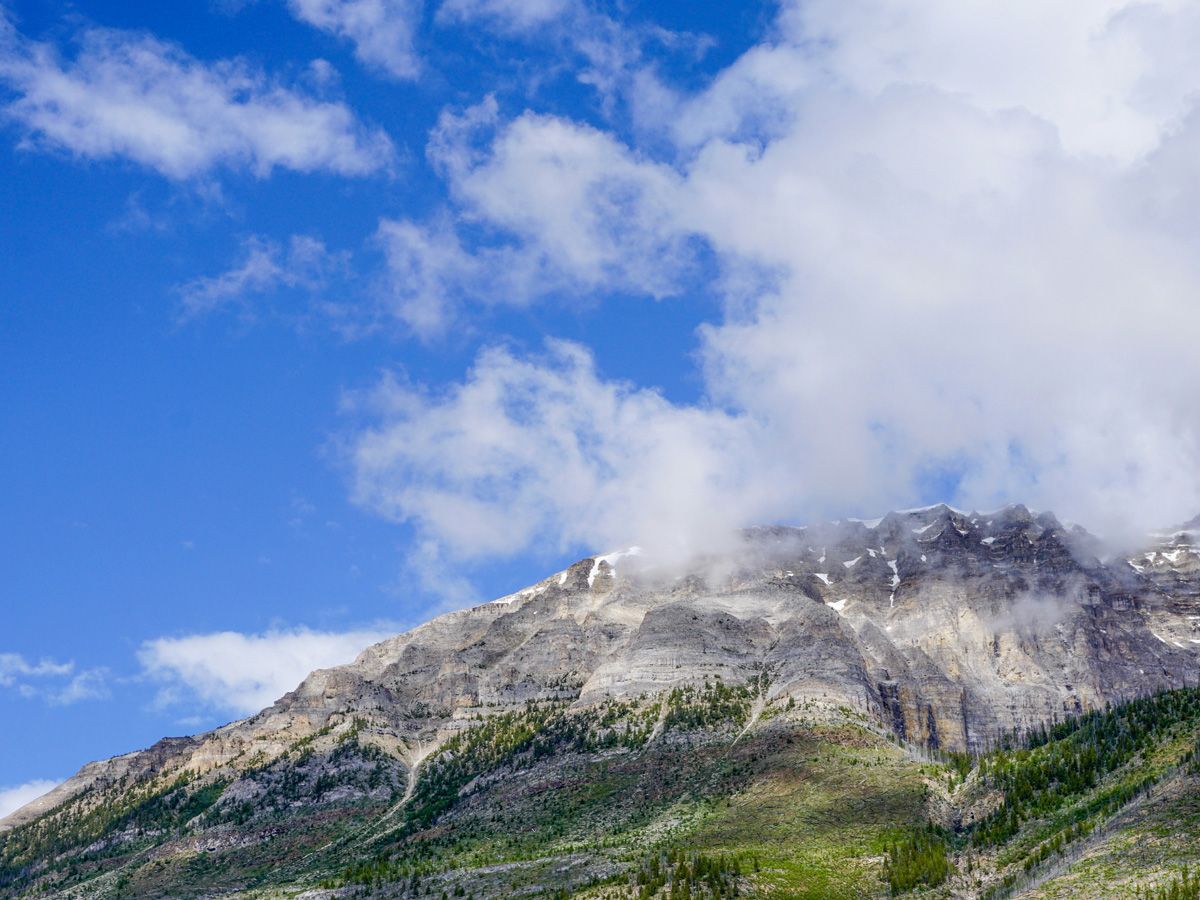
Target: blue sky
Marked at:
322, 316
170, 476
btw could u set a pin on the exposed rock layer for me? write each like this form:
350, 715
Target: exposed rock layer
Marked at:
950, 628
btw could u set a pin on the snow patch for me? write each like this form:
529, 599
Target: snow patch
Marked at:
849, 564
988, 540
519, 595
823, 577
921, 509
611, 559
869, 523
839, 605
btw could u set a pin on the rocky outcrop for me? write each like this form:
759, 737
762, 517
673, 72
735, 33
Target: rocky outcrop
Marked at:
950, 628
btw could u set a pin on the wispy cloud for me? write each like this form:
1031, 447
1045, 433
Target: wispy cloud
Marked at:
382, 31
57, 683
508, 15
126, 95
13, 667
265, 266
231, 672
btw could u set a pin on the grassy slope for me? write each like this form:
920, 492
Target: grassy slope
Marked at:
807, 809
1145, 844
548, 800
820, 813
1134, 823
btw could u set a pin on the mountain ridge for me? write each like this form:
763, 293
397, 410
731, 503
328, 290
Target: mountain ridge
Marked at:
863, 578
936, 629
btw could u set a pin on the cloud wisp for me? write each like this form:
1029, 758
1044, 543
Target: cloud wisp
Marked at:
265, 267
381, 31
130, 96
55, 683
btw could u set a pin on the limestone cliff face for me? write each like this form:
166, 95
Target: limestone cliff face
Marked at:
950, 628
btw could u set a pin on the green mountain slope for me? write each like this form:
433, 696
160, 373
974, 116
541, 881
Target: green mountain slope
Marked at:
699, 792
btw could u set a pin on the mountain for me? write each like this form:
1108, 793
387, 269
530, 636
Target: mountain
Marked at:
814, 713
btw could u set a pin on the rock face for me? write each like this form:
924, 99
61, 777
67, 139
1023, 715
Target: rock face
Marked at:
949, 628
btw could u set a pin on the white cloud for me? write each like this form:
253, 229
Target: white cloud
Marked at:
1109, 75
265, 267
13, 667
608, 53
382, 31
427, 271
90, 684
575, 213
13, 798
508, 15
545, 453
243, 673
57, 683
131, 96
966, 274
589, 206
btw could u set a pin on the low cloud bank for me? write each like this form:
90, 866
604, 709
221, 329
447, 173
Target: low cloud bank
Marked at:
234, 673
13, 798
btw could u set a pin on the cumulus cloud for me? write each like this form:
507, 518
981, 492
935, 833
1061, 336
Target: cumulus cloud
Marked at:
545, 452
571, 210
590, 205
1108, 76
131, 96
382, 31
945, 271
237, 673
13, 798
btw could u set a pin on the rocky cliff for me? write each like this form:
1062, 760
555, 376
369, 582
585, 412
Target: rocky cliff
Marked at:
949, 629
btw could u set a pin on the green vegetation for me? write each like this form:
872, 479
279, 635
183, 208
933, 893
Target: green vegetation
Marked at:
142, 813
1185, 886
663, 797
919, 859
1069, 779
682, 875
711, 705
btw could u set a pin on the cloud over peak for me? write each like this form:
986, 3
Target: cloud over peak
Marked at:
942, 275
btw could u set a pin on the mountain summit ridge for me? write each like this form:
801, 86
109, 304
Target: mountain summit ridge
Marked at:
950, 628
